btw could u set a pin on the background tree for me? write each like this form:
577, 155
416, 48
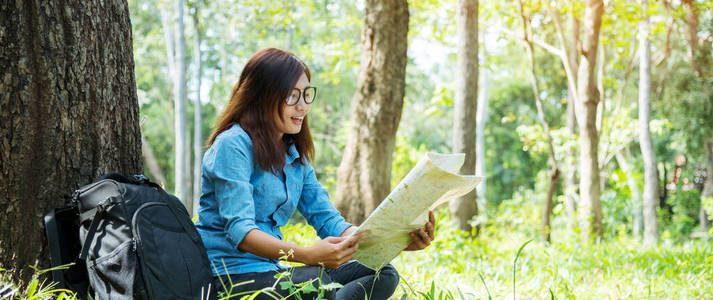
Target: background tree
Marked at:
570, 166
699, 53
363, 177
197, 110
179, 94
587, 100
555, 170
465, 105
69, 110
651, 176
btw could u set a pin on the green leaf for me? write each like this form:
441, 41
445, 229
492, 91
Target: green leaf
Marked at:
286, 285
330, 286
32, 289
309, 288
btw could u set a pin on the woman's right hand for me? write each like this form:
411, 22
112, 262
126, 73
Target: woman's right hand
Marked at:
332, 251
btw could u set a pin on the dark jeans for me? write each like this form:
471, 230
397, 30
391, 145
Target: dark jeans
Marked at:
358, 282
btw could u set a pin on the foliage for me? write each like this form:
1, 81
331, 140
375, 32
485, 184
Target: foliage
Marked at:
38, 288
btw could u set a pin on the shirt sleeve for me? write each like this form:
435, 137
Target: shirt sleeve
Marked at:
230, 172
316, 207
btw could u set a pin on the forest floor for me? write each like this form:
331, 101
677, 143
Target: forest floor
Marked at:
458, 267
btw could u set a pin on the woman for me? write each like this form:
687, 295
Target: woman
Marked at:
257, 172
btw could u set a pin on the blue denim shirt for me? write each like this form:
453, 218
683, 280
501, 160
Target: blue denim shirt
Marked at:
239, 196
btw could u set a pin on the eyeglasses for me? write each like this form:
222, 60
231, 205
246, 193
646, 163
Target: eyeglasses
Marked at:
309, 93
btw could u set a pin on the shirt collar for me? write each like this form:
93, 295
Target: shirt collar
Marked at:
292, 154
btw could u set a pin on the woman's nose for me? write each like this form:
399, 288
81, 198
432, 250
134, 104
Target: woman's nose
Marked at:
302, 105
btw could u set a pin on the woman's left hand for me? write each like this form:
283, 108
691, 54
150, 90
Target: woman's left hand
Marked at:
423, 237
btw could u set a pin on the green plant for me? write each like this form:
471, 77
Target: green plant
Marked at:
38, 288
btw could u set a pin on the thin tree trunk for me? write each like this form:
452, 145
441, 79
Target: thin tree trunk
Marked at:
554, 172
570, 180
170, 43
151, 162
179, 92
651, 176
481, 120
290, 26
465, 104
591, 210
707, 186
364, 175
69, 113
197, 115
622, 158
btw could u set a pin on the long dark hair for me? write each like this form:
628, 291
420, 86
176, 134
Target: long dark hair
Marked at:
265, 82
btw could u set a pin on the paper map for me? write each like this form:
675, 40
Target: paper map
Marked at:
433, 181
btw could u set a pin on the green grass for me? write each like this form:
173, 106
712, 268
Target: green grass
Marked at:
458, 267
483, 268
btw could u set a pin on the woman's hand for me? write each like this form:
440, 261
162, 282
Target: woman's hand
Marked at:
333, 251
422, 238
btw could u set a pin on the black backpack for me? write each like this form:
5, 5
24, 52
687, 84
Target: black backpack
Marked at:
135, 241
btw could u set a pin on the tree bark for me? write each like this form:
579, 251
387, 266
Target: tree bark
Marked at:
364, 175
465, 105
197, 115
591, 211
179, 93
69, 113
651, 176
555, 171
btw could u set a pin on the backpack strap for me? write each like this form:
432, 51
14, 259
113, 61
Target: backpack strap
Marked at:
94, 213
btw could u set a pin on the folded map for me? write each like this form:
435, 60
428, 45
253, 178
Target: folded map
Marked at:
433, 181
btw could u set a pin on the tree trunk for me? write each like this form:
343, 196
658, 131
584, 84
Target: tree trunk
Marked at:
708, 185
570, 189
588, 97
364, 175
622, 158
197, 116
465, 104
554, 172
651, 176
151, 162
480, 120
179, 93
69, 113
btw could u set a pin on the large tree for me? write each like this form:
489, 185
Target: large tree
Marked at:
464, 106
364, 175
69, 112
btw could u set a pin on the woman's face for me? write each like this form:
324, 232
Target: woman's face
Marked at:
290, 122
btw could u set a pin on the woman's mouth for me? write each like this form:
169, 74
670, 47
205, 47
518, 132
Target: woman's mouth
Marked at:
297, 120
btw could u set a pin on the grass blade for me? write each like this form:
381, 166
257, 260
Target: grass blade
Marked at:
514, 267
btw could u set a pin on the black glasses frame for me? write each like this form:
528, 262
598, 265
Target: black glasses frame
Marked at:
301, 95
